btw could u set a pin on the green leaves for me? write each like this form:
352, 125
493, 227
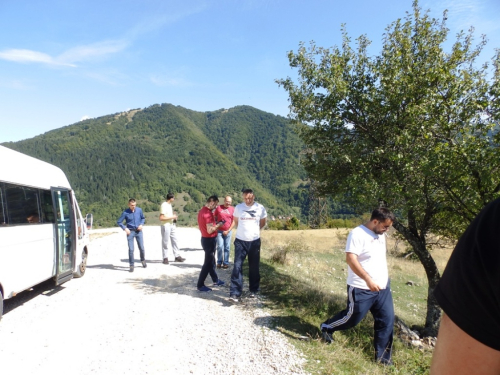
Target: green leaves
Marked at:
415, 121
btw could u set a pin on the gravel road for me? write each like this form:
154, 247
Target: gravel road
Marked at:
151, 321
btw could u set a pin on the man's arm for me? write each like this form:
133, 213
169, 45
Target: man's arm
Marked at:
212, 228
120, 223
143, 220
457, 353
262, 223
165, 217
233, 224
352, 261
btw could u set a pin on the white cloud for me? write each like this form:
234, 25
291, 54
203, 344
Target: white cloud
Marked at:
86, 117
28, 56
68, 58
92, 51
99, 50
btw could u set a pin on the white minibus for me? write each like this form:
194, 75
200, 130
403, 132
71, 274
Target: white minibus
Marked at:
42, 232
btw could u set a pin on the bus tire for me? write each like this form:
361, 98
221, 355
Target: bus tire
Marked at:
82, 267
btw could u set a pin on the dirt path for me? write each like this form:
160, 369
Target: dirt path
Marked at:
150, 321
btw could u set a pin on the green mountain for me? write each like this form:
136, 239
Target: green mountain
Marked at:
145, 153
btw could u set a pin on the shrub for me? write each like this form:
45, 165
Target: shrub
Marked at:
292, 224
275, 225
281, 254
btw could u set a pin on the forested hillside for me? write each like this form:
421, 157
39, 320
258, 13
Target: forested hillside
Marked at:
145, 153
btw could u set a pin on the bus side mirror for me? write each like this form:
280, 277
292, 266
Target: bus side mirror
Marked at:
89, 219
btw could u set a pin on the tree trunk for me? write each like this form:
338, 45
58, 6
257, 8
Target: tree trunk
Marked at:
419, 246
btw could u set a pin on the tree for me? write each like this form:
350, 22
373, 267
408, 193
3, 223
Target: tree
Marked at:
415, 126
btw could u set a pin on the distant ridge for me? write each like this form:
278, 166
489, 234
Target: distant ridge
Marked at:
145, 153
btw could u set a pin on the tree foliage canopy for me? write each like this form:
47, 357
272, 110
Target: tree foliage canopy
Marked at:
415, 125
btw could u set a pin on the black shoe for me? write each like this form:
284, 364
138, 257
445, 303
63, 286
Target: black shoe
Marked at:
204, 289
144, 263
131, 269
253, 294
180, 259
165, 260
327, 337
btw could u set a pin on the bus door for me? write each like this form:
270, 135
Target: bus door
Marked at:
65, 240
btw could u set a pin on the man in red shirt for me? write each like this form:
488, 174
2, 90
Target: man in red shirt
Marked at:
208, 228
224, 214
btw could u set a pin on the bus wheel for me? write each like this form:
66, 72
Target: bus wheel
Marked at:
83, 265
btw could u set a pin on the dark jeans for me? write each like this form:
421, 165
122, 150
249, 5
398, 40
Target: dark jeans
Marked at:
209, 246
241, 250
359, 302
130, 238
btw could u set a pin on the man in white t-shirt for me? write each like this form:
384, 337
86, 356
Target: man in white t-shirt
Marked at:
168, 220
249, 217
368, 285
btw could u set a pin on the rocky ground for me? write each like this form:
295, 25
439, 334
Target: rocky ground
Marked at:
150, 321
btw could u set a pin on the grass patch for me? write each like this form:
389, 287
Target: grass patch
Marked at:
303, 277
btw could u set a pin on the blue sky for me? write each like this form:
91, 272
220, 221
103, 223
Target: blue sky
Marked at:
63, 61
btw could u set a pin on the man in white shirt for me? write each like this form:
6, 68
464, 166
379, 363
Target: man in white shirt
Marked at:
168, 235
249, 218
368, 285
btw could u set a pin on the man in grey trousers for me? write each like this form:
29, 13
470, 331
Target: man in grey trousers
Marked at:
168, 220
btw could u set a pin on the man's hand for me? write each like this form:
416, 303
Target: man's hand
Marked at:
352, 261
139, 228
374, 287
127, 231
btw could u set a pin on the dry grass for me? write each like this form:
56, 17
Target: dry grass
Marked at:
328, 240
320, 240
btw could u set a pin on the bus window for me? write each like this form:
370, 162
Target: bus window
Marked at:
47, 207
2, 207
22, 204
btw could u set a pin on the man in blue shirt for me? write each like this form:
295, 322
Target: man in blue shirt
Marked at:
134, 219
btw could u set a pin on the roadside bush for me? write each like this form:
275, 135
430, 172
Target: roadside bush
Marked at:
275, 225
282, 253
292, 224
342, 223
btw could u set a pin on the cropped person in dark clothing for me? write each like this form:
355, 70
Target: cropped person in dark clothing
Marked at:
134, 220
469, 294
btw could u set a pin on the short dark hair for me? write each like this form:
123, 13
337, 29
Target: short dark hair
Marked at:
213, 198
131, 200
382, 214
170, 196
247, 191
